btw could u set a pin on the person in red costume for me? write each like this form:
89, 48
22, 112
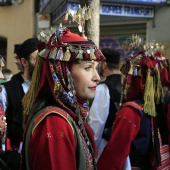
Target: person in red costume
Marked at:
139, 126
57, 134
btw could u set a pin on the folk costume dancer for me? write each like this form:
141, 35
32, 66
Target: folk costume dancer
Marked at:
65, 76
136, 128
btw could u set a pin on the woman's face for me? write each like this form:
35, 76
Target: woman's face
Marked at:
85, 79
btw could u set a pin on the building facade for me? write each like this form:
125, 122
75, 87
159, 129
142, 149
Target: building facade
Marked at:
17, 23
118, 20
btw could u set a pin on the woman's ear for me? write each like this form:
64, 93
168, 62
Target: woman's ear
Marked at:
103, 64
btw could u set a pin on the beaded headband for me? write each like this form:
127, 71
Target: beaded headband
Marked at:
63, 45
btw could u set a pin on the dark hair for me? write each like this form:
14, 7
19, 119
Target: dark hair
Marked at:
112, 66
112, 56
27, 47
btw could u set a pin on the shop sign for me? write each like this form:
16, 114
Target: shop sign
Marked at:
127, 10
158, 2
114, 9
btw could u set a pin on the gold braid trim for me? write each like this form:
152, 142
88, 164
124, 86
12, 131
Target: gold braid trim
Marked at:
149, 102
29, 97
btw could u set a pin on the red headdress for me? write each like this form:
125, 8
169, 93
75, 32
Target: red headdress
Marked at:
142, 81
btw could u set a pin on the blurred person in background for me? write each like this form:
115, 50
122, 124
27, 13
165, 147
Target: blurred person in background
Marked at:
11, 96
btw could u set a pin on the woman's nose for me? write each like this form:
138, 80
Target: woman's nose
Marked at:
96, 76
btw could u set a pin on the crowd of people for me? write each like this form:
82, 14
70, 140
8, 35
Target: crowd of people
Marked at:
74, 106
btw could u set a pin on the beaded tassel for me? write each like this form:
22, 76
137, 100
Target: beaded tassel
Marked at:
42, 52
80, 54
53, 54
92, 56
60, 54
67, 55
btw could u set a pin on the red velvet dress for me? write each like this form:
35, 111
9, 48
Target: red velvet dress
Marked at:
52, 145
58, 144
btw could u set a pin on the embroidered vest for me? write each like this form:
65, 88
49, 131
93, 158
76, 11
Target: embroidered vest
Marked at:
84, 162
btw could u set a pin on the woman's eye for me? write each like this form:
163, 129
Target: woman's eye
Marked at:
88, 68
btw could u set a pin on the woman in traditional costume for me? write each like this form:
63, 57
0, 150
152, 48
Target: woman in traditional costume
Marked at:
57, 134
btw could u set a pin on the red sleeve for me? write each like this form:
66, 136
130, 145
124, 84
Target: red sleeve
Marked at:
52, 145
125, 129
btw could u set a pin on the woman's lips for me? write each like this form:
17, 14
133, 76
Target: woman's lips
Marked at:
92, 88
